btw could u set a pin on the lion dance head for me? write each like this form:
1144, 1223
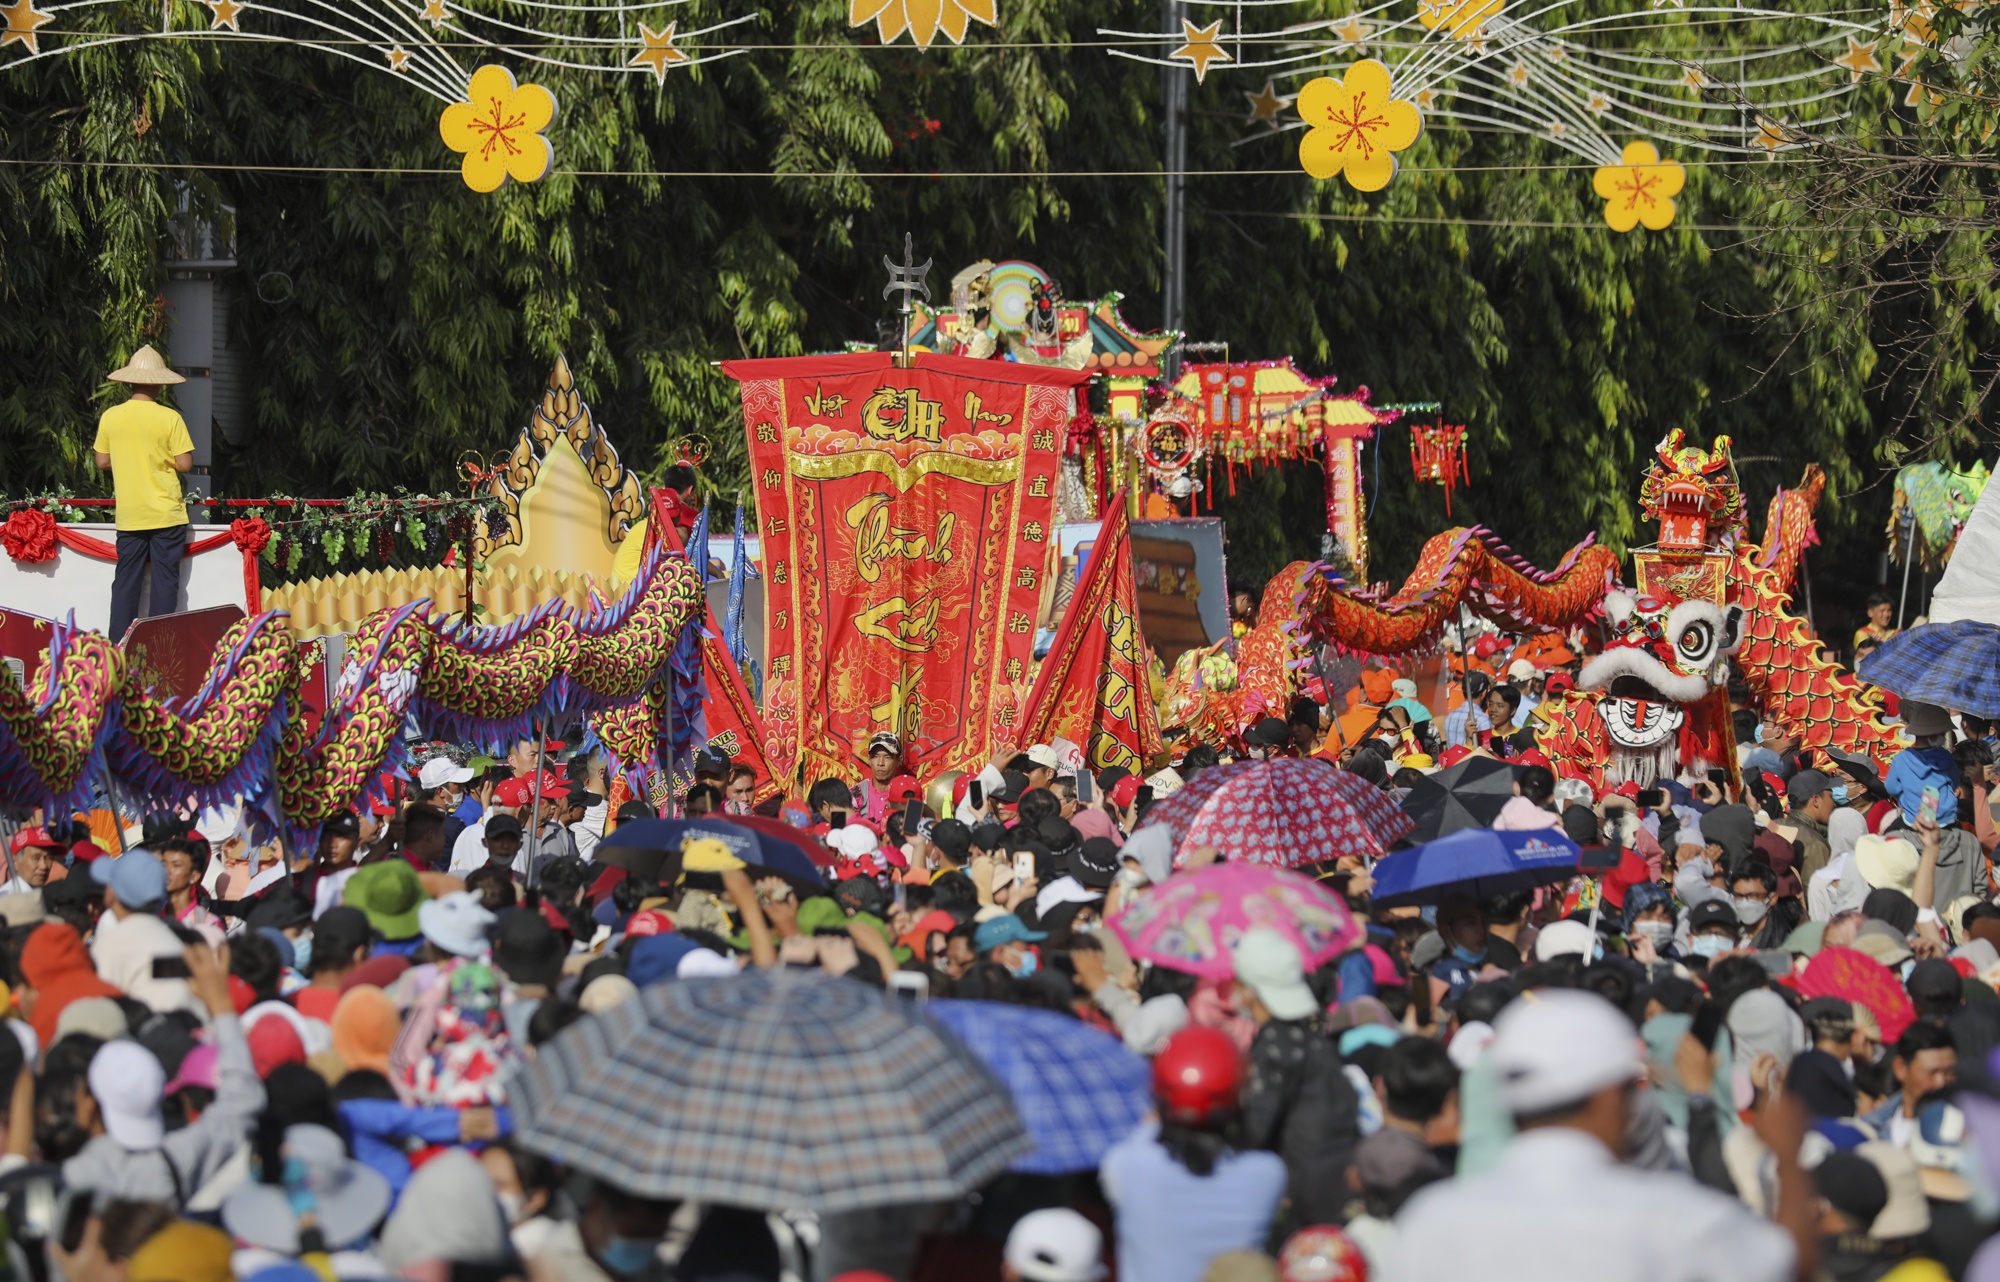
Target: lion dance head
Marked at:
1654, 682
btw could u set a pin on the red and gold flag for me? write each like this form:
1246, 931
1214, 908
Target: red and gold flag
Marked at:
1093, 688
906, 520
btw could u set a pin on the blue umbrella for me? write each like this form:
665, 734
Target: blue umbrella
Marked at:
650, 848
1476, 861
1076, 1088
1954, 665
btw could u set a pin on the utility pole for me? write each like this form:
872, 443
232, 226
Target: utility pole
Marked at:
1173, 110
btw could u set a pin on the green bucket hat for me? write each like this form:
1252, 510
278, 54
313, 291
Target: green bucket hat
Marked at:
389, 894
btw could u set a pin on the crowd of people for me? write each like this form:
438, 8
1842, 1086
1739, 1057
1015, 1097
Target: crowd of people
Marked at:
1758, 1045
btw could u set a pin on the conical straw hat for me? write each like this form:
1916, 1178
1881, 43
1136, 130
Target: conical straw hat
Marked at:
146, 366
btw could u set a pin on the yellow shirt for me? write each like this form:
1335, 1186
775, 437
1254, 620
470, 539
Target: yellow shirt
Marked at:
142, 438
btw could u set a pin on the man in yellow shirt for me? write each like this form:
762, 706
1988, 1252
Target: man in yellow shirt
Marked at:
145, 446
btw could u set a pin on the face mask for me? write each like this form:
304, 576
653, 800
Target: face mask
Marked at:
1712, 945
1840, 794
1467, 955
1760, 732
628, 1257
1660, 932
302, 951
1026, 966
1751, 911
510, 1206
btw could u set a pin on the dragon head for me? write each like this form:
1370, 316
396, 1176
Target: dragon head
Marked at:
1661, 657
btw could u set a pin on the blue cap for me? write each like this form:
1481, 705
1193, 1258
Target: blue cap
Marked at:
657, 958
137, 877
1004, 930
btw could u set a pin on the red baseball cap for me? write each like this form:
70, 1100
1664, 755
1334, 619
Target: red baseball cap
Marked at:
34, 836
1454, 754
1558, 683
1534, 757
1124, 791
905, 787
650, 922
88, 850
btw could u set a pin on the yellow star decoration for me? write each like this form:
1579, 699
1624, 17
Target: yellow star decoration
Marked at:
1557, 53
1266, 103
1557, 129
1352, 32
1913, 20
1859, 59
1200, 47
1356, 126
659, 53
1517, 75
399, 58
1598, 104
1477, 44
1426, 99
500, 130
22, 19
1771, 136
223, 14
923, 19
1639, 189
1695, 78
434, 13
1463, 18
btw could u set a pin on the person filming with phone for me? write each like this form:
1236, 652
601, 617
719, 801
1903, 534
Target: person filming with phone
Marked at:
1923, 781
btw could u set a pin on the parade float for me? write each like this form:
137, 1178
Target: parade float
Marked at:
948, 548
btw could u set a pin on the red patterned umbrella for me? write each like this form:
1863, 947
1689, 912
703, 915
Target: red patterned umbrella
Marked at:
1286, 812
1854, 976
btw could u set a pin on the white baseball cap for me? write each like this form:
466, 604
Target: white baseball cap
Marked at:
1272, 967
1045, 757
1056, 1245
1521, 670
1556, 1047
439, 771
1565, 939
126, 1080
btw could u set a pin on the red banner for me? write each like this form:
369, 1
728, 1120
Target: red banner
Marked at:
1093, 687
906, 521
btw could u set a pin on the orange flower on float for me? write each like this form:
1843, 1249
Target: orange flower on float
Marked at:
500, 130
923, 19
1639, 189
1355, 126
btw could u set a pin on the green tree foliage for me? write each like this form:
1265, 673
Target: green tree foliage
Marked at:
399, 321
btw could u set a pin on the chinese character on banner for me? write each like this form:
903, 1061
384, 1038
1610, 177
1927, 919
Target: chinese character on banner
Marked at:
1437, 456
906, 521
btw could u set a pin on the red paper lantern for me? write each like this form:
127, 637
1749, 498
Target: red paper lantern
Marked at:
1437, 457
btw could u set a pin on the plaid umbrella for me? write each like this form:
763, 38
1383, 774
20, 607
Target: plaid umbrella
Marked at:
1286, 812
1467, 795
1954, 665
773, 1088
1191, 922
1077, 1088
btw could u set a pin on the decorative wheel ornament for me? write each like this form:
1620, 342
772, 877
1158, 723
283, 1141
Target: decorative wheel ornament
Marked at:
500, 130
1356, 126
1639, 189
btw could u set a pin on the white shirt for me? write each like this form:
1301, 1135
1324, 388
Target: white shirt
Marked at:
589, 830
469, 851
1558, 1209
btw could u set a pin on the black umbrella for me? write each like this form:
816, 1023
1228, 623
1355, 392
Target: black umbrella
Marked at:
1467, 795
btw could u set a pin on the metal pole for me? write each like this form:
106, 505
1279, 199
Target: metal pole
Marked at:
1173, 293
535, 815
1909, 558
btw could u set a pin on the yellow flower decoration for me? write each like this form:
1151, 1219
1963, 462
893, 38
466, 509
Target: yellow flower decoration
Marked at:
923, 19
1355, 126
500, 130
1640, 188
1463, 18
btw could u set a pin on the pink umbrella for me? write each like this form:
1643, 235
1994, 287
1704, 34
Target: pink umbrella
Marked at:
1286, 812
1191, 922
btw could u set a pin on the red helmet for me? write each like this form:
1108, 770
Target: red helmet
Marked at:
1196, 1076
